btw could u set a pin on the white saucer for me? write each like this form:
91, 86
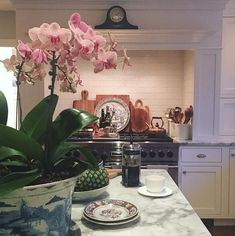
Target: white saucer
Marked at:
166, 192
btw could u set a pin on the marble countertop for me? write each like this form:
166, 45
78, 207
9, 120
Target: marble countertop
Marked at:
168, 216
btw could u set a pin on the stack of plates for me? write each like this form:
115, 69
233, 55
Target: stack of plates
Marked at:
110, 212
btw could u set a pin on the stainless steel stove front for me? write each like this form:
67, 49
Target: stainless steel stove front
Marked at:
153, 154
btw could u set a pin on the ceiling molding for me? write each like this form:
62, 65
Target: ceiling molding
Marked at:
128, 4
154, 39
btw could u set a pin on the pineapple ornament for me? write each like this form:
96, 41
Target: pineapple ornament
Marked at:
95, 177
92, 179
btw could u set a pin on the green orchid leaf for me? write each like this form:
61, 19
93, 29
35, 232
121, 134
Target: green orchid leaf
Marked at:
89, 158
61, 151
36, 122
76, 167
21, 142
6, 152
69, 121
3, 109
17, 180
14, 163
80, 167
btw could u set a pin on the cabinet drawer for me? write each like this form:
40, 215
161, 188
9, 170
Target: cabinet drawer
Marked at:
201, 155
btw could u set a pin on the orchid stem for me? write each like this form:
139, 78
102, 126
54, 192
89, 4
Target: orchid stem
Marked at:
52, 73
18, 102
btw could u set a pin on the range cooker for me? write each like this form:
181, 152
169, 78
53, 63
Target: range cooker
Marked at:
158, 149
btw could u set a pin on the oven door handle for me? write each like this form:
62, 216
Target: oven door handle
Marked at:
166, 167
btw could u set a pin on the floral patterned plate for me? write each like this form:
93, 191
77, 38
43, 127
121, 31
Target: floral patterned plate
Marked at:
121, 222
110, 210
120, 110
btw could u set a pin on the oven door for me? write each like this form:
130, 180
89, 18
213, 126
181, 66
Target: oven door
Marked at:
172, 170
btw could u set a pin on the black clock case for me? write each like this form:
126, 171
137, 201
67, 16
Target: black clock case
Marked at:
109, 24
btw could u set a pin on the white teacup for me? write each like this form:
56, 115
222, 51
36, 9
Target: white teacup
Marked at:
155, 183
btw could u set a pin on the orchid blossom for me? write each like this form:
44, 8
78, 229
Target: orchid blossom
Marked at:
51, 44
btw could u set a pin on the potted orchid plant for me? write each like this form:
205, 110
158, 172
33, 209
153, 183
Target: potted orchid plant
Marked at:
36, 177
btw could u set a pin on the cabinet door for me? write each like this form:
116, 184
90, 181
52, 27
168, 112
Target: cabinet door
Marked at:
202, 187
228, 58
232, 184
226, 116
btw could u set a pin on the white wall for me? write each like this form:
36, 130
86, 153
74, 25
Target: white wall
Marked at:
7, 25
155, 77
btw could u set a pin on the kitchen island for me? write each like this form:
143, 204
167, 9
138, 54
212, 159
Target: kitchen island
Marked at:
168, 216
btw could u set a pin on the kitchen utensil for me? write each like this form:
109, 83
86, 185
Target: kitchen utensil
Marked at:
177, 114
140, 117
188, 114
84, 103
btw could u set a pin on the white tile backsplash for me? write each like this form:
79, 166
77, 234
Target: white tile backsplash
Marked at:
155, 77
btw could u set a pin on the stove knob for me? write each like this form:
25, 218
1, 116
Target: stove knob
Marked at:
152, 153
170, 154
68, 154
143, 154
95, 153
104, 156
161, 153
76, 153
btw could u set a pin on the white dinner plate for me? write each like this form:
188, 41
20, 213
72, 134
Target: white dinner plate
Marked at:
166, 192
110, 210
111, 223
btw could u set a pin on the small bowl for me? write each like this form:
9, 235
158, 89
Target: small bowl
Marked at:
87, 195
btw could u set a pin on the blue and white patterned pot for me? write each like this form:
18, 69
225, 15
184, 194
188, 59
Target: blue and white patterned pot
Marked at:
43, 209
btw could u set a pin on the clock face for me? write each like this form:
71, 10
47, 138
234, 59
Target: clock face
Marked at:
116, 14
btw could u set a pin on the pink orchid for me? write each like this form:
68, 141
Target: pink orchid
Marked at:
10, 63
76, 25
50, 33
106, 60
98, 40
126, 60
113, 43
39, 56
66, 57
24, 49
63, 48
86, 48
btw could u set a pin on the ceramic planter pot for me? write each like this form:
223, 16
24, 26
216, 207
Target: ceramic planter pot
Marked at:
38, 209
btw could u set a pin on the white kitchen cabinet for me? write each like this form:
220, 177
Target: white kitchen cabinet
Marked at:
228, 58
226, 113
232, 184
226, 117
203, 178
202, 187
